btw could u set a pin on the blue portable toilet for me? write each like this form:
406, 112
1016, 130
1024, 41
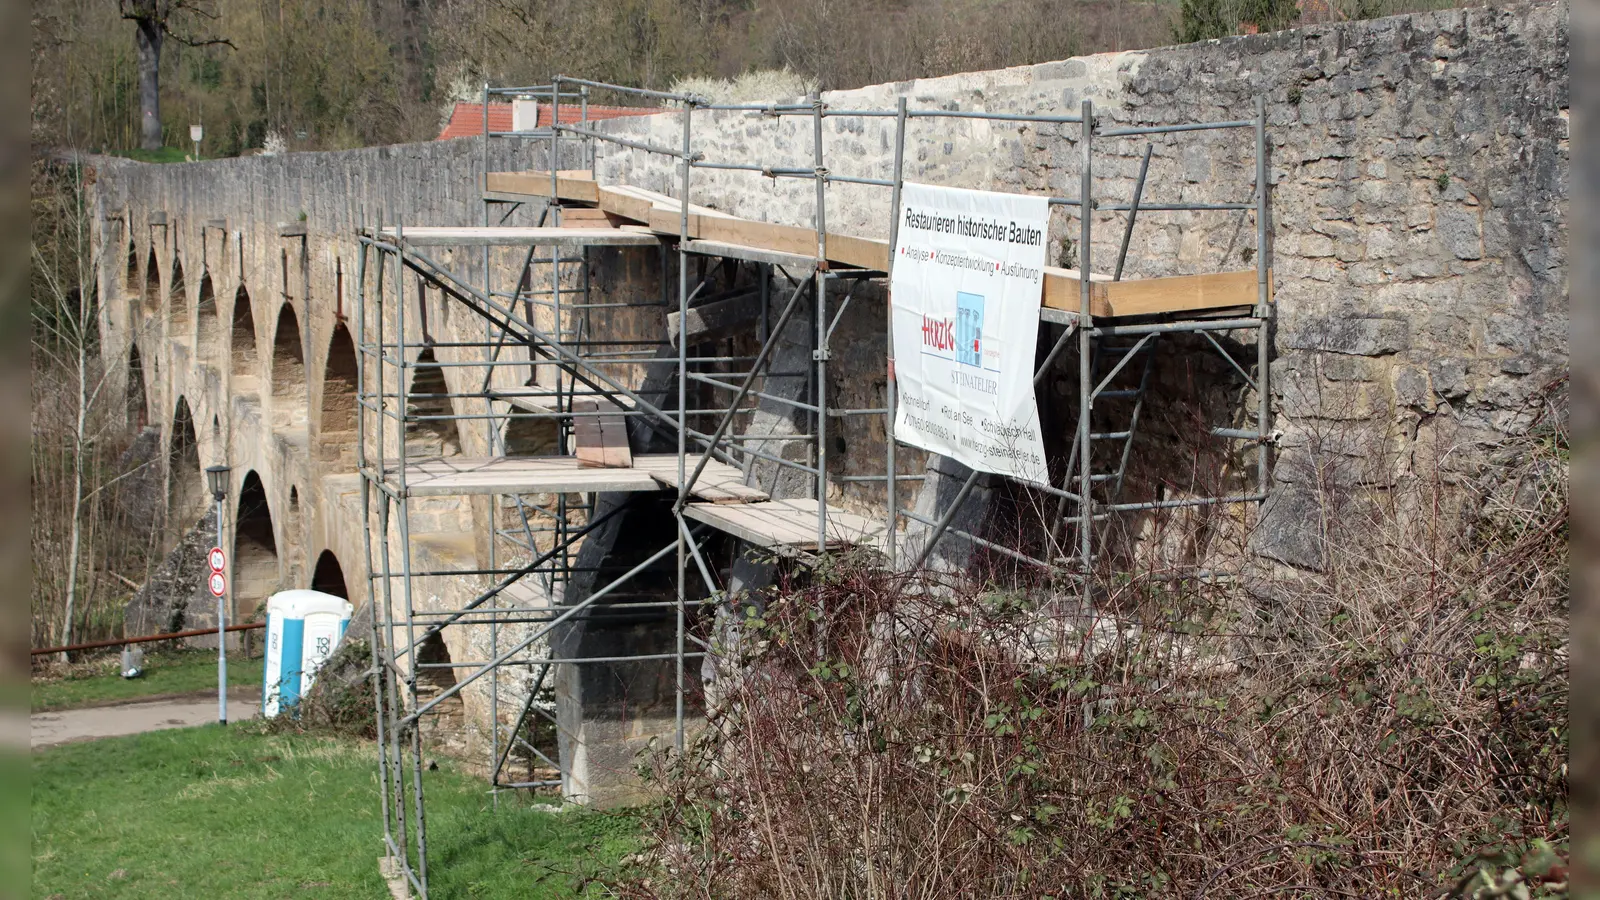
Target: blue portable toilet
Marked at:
303, 628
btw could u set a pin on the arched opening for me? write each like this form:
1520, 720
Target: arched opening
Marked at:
243, 341
210, 320
186, 496
328, 576
288, 371
130, 280
138, 403
437, 674
338, 428
178, 302
429, 398
255, 551
152, 283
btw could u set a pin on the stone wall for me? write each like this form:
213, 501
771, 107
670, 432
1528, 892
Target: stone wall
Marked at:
1419, 169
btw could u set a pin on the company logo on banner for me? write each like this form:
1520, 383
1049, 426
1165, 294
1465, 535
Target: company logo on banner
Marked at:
968, 276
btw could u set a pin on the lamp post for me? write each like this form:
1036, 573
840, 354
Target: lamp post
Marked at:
217, 480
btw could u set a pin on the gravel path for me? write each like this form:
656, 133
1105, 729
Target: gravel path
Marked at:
65, 726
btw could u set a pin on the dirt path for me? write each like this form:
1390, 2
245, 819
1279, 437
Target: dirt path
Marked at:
91, 722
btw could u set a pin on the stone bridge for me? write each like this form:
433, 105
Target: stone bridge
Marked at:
1419, 167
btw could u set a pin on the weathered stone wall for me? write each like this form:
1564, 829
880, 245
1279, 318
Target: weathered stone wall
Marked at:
256, 338
1419, 168
1419, 174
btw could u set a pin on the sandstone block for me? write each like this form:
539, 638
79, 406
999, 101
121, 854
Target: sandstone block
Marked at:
1358, 336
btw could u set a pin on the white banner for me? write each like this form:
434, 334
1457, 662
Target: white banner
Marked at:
968, 278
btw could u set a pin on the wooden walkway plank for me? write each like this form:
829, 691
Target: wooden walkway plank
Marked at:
518, 475
571, 184
602, 436
520, 235
719, 483
787, 526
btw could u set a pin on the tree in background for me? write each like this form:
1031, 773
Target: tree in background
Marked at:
1204, 20
336, 74
154, 21
88, 534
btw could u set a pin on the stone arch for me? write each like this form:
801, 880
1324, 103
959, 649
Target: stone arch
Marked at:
137, 401
209, 314
288, 371
152, 283
337, 430
328, 576
186, 494
243, 337
178, 300
255, 549
428, 395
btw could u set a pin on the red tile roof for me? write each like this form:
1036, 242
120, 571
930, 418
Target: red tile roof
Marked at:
467, 118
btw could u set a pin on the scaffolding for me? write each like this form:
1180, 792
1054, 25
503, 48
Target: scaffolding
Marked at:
544, 362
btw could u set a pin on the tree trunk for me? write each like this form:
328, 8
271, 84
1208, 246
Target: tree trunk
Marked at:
148, 35
80, 433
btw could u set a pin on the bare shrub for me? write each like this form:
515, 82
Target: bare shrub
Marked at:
763, 86
340, 703
1393, 726
92, 535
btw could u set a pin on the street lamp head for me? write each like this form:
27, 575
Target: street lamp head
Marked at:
217, 480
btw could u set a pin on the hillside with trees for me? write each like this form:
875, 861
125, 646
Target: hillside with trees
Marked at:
330, 74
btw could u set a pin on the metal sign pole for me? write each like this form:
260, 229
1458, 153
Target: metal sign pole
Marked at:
222, 636
217, 583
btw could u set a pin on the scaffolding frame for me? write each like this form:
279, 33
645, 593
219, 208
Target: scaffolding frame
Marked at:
568, 365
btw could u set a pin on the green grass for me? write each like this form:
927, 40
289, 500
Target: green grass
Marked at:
178, 672
14, 864
237, 812
164, 155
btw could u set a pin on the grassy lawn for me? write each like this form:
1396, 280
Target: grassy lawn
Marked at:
164, 155
237, 812
175, 672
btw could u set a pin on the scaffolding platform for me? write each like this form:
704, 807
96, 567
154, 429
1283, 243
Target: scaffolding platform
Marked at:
549, 402
715, 233
522, 236
795, 261
788, 527
516, 475
719, 482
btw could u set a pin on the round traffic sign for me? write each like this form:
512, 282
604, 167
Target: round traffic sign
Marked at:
218, 584
217, 559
